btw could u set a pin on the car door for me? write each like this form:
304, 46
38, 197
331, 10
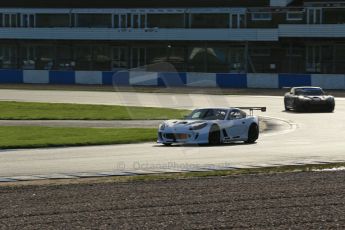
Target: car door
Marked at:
237, 126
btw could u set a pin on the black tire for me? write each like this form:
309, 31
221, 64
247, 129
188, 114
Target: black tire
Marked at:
167, 144
330, 109
296, 107
214, 135
253, 133
286, 108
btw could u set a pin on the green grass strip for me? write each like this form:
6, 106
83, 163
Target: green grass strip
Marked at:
35, 137
62, 111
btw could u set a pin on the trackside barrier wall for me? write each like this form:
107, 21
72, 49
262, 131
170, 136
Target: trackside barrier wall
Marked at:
142, 78
290, 80
11, 76
328, 81
266, 80
36, 76
201, 80
88, 77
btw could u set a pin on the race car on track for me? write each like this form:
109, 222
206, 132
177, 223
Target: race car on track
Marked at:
308, 99
212, 126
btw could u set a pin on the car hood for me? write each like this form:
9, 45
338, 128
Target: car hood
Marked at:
183, 123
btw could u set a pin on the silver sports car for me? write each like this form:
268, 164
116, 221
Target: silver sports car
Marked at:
212, 126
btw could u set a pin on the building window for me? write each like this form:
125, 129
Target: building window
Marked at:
52, 20
10, 20
261, 16
294, 16
236, 59
295, 51
28, 56
8, 57
216, 58
116, 21
64, 59
101, 57
196, 59
156, 55
165, 20
120, 58
334, 15
45, 57
210, 21
83, 57
94, 20
28, 20
138, 57
260, 51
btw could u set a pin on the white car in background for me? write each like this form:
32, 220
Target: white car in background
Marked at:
212, 126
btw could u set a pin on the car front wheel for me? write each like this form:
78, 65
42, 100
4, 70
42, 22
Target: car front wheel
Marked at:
330, 109
285, 105
214, 135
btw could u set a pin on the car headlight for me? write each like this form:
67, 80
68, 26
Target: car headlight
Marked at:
162, 127
197, 127
304, 98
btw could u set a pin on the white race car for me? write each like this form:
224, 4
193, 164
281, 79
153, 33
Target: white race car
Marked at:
212, 126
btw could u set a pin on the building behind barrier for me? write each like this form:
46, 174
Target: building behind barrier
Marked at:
43, 39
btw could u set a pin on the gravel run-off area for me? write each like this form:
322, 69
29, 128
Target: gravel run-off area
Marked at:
312, 200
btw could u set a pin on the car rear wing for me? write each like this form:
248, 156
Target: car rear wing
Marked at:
251, 109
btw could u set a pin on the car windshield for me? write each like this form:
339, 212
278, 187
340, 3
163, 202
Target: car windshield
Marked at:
309, 91
207, 114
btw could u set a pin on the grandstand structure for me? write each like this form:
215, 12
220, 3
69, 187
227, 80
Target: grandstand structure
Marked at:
195, 36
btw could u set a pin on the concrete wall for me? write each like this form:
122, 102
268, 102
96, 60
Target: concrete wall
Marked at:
141, 78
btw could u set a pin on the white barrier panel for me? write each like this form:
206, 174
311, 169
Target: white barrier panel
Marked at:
263, 80
202, 79
36, 76
328, 81
88, 77
143, 78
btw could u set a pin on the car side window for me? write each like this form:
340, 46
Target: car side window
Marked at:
236, 114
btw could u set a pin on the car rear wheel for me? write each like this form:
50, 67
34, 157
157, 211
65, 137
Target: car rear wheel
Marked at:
214, 135
253, 133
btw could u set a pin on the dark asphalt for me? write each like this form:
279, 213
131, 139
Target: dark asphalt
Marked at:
278, 201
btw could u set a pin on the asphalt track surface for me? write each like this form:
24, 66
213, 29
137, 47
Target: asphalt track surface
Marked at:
309, 138
313, 200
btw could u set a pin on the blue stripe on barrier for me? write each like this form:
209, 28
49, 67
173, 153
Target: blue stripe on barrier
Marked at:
172, 79
120, 78
107, 78
293, 80
62, 77
229, 80
11, 76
